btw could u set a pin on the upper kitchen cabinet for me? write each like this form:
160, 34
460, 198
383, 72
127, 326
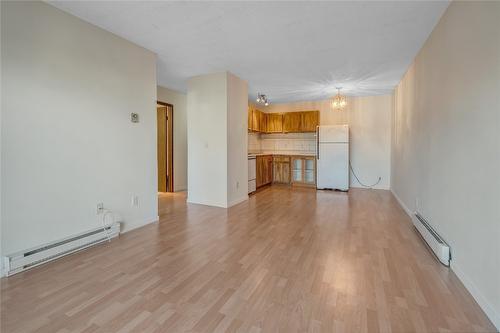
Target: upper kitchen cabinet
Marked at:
274, 123
292, 122
250, 118
258, 123
309, 121
262, 121
288, 122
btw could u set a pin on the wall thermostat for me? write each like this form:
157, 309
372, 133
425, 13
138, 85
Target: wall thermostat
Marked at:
134, 117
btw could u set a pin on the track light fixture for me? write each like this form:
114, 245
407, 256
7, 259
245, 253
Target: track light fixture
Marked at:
261, 98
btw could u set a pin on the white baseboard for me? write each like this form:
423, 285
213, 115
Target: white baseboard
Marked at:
205, 203
181, 188
357, 185
129, 226
237, 201
402, 204
216, 204
484, 304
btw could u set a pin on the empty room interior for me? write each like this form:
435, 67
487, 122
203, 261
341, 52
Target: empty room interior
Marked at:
250, 166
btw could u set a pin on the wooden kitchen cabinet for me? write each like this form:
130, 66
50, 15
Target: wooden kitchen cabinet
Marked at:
258, 121
255, 120
250, 118
262, 121
274, 123
309, 121
288, 122
264, 168
281, 169
292, 121
303, 170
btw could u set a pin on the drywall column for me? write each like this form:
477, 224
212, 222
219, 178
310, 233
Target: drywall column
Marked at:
217, 139
237, 138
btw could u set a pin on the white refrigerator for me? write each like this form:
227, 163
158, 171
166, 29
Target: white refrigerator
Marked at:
332, 157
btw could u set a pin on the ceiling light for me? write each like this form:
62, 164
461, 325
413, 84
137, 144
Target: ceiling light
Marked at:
339, 101
261, 98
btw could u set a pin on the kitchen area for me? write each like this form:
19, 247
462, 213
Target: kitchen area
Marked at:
283, 148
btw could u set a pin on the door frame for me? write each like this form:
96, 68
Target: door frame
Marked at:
170, 144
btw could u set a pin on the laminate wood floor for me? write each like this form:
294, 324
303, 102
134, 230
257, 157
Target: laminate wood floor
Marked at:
287, 260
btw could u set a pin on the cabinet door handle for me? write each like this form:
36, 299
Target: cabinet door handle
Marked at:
317, 142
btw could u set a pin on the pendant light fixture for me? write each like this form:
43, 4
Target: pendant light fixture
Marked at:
261, 98
339, 101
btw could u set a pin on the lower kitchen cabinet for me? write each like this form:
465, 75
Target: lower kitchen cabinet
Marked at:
304, 170
281, 169
264, 166
285, 169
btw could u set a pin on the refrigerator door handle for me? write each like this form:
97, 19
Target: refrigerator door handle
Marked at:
317, 142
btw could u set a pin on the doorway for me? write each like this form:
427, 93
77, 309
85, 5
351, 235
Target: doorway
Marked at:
165, 141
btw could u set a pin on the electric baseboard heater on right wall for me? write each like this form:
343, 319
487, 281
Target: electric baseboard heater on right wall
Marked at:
431, 237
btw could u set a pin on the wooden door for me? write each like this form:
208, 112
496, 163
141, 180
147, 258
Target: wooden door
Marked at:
309, 121
274, 123
292, 121
161, 117
165, 147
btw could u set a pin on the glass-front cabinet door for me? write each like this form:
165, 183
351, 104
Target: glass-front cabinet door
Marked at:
309, 170
297, 170
304, 170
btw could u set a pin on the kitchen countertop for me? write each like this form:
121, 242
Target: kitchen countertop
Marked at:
282, 154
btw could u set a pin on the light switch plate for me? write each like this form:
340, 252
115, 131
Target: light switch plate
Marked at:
134, 117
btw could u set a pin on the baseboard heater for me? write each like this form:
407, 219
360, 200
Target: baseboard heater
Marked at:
33, 257
431, 237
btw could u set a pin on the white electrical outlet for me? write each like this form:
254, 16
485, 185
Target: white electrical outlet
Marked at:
135, 201
100, 208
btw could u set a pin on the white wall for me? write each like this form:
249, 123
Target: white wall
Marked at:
217, 139
67, 142
369, 120
1, 107
446, 143
179, 101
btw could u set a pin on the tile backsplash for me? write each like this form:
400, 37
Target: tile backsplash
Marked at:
291, 143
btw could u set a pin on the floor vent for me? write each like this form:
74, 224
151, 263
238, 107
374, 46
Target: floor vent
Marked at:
431, 237
30, 258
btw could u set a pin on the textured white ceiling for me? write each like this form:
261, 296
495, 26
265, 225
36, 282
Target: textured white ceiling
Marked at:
290, 51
